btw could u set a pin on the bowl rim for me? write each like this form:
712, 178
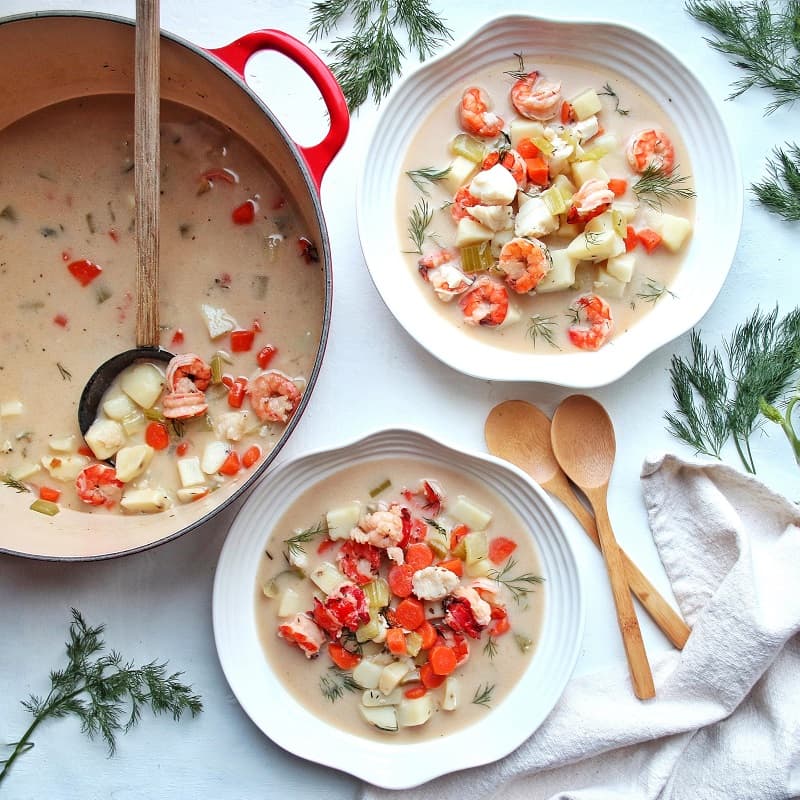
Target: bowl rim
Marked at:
540, 369
408, 773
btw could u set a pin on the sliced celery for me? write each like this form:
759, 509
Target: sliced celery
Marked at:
554, 200
477, 257
45, 507
368, 631
523, 642
413, 643
619, 224
466, 146
476, 546
438, 543
565, 186
545, 145
377, 592
153, 414
216, 369
460, 550
270, 589
382, 487
133, 422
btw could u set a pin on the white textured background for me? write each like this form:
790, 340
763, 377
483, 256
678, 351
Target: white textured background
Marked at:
157, 604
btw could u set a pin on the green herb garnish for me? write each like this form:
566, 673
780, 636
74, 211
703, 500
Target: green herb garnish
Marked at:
381, 487
369, 58
66, 375
607, 91
542, 327
104, 692
9, 480
519, 585
420, 177
656, 186
523, 642
419, 219
652, 291
780, 190
520, 72
434, 524
336, 683
483, 695
490, 648
294, 544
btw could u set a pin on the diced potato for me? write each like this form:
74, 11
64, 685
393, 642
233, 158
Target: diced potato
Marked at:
462, 171
621, 267
189, 494
118, 407
372, 698
105, 437
583, 171
470, 514
218, 321
628, 210
131, 462
600, 147
143, 384
568, 230
25, 471
476, 546
327, 577
65, 467
146, 501
11, 408
595, 246
413, 645
450, 701
384, 718
585, 104
561, 275
214, 454
189, 471
392, 674
416, 711
342, 519
525, 129
600, 223
674, 231
63, 444
470, 231
607, 285
480, 569
290, 604
367, 673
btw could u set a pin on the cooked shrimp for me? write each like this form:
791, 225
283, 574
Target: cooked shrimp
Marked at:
447, 279
524, 263
597, 325
303, 632
592, 199
536, 99
486, 303
274, 396
463, 199
512, 161
97, 485
650, 148
475, 116
382, 528
188, 373
434, 259
184, 405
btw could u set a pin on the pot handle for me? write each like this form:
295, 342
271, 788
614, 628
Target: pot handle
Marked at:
238, 53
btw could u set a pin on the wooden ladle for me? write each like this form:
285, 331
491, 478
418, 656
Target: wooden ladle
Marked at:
146, 182
519, 432
584, 445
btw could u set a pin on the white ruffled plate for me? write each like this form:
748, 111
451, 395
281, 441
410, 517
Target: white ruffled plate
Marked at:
292, 726
715, 172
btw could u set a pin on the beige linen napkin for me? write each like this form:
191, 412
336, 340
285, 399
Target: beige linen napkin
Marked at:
726, 719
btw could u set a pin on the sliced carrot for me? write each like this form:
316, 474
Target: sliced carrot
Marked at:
527, 149
619, 186
250, 456
649, 239
85, 450
428, 633
631, 241
47, 493
343, 658
500, 548
414, 692
457, 534
566, 113
182, 449
400, 579
429, 678
501, 626
410, 613
538, 171
419, 555
442, 659
455, 565
396, 641
231, 465
157, 435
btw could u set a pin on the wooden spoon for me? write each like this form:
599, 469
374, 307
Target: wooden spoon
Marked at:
519, 432
584, 445
146, 183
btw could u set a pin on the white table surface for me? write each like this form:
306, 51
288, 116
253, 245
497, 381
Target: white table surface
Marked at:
157, 605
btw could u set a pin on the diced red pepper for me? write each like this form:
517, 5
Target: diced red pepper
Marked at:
618, 185
265, 356
500, 548
245, 213
61, 320
182, 449
49, 494
177, 338
631, 240
527, 149
157, 435
250, 456
84, 271
237, 392
566, 113
242, 341
649, 239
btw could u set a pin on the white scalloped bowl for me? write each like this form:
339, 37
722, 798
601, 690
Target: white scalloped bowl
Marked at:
291, 725
608, 45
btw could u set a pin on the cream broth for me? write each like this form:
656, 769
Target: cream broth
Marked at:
653, 272
495, 662
230, 237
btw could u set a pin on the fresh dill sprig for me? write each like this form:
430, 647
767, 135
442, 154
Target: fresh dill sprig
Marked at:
419, 219
66, 375
483, 695
657, 187
336, 683
780, 191
424, 175
539, 326
434, 524
106, 693
607, 91
294, 544
652, 291
9, 480
519, 585
369, 59
761, 42
718, 397
520, 72
490, 648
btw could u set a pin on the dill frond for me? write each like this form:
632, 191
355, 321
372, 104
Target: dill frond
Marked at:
542, 327
607, 91
336, 683
656, 186
483, 695
780, 190
424, 175
9, 480
652, 291
519, 585
294, 544
419, 219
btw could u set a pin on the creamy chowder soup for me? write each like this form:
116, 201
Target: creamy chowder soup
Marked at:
399, 602
241, 304
545, 206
